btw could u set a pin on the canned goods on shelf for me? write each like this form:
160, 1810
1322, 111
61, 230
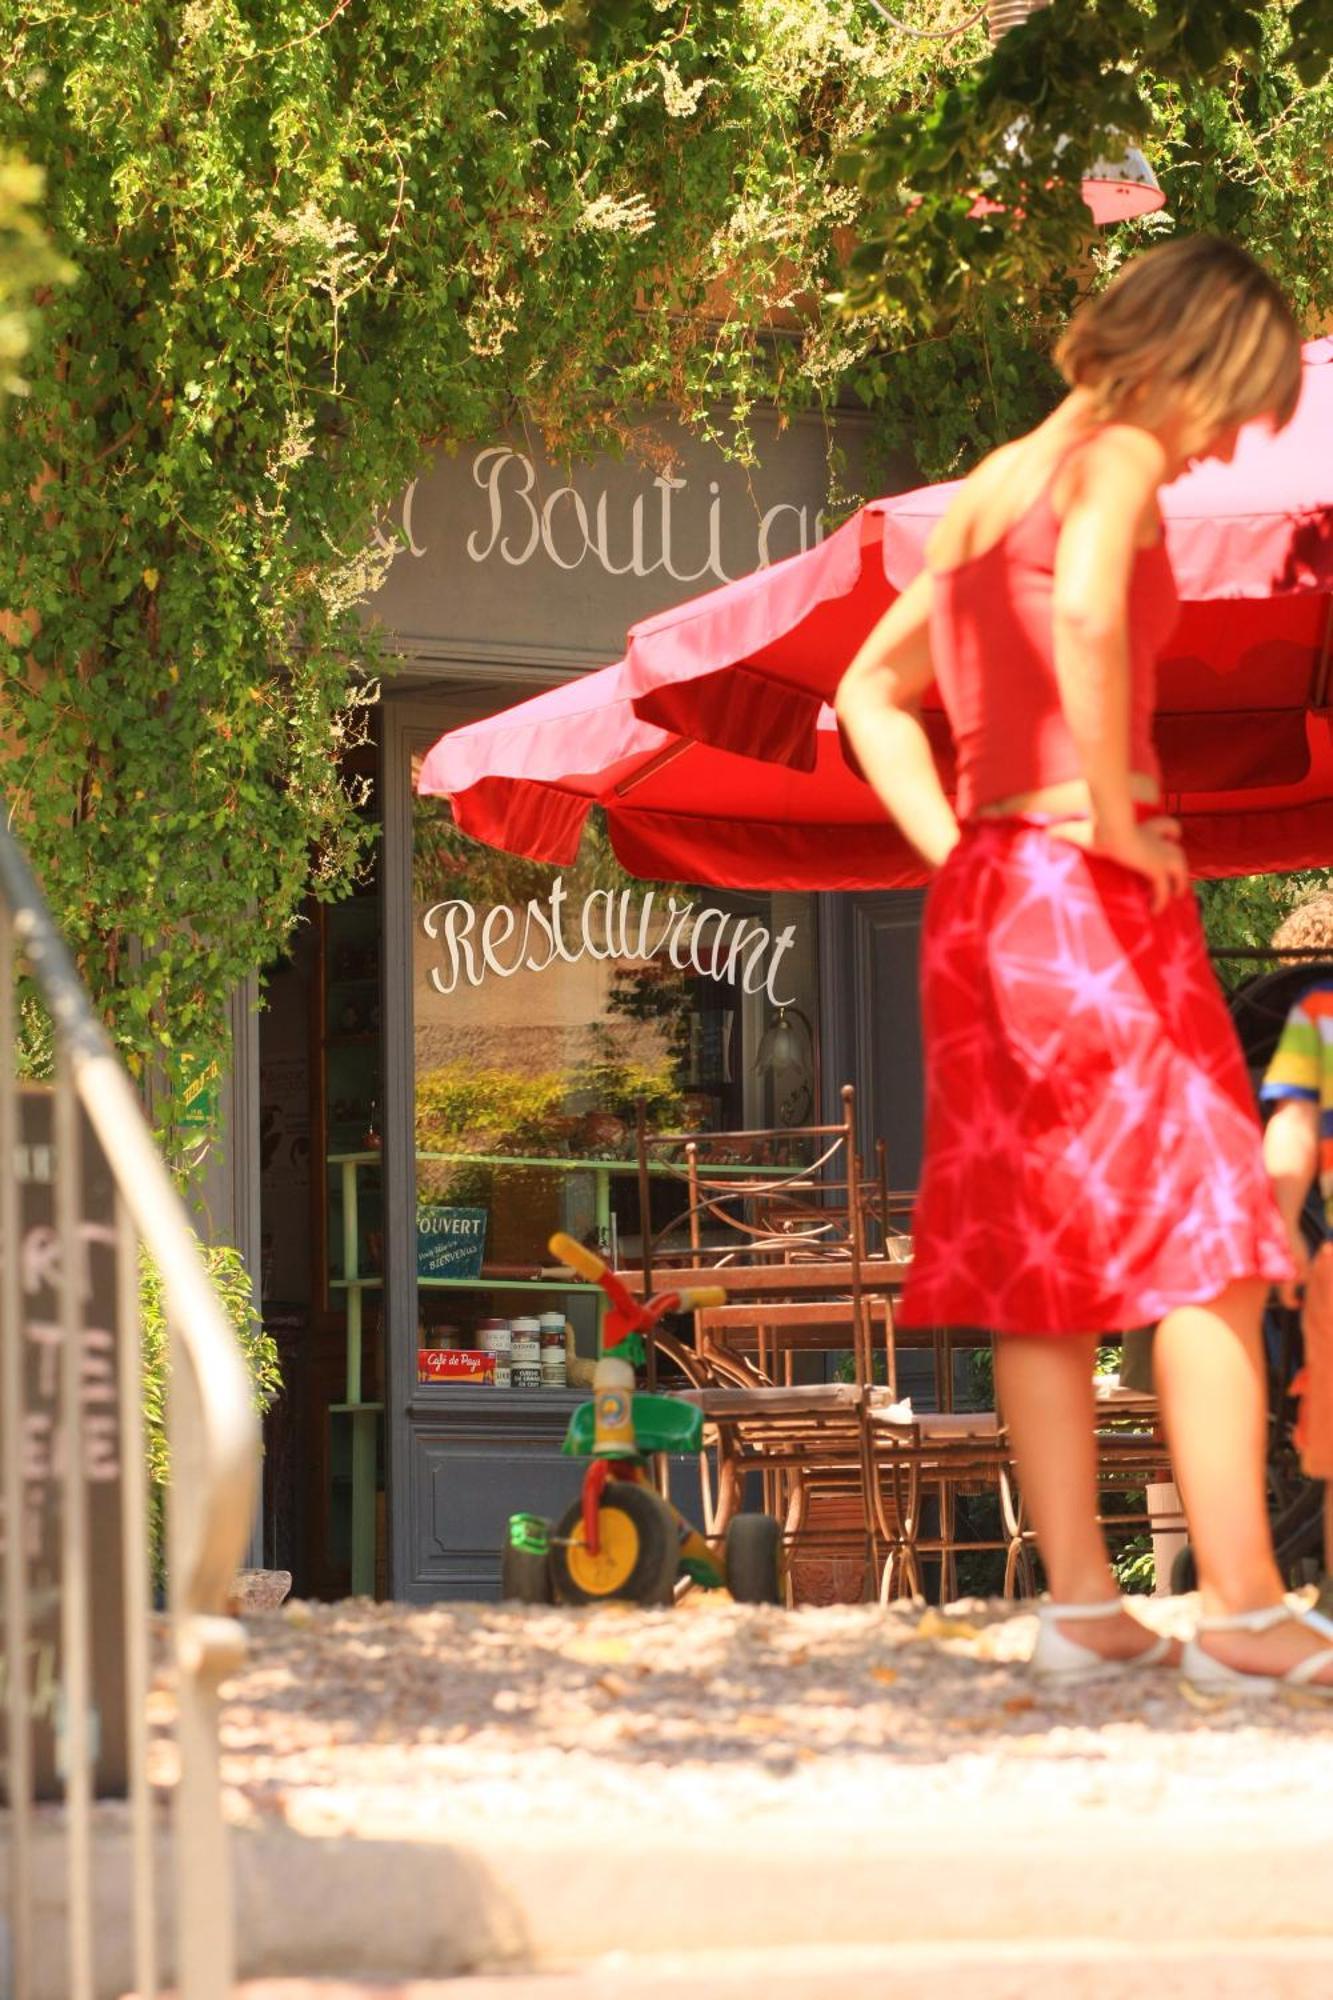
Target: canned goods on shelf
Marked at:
495, 1336
527, 1376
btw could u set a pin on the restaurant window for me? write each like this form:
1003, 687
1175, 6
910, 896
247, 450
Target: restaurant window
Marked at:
547, 1002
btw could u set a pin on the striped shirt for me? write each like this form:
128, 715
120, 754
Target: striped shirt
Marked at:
1302, 1066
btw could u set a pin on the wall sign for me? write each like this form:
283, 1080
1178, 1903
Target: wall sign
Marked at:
451, 1242
200, 1095
716, 944
671, 529
499, 553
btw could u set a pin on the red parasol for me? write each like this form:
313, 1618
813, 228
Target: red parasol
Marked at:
676, 810
713, 752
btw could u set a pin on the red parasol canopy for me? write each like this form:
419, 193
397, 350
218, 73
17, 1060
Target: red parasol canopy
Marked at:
676, 810
713, 752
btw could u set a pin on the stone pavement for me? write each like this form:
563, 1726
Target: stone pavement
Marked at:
469, 1789
1191, 1972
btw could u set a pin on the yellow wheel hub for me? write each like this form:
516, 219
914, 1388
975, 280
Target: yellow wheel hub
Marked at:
601, 1575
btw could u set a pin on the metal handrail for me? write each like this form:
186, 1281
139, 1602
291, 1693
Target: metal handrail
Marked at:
213, 1439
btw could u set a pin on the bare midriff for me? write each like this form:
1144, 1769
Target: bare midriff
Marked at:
1070, 798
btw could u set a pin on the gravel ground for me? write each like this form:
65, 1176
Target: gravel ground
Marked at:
422, 1724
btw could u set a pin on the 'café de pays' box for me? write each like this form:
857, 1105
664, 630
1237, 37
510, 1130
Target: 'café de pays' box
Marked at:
454, 1364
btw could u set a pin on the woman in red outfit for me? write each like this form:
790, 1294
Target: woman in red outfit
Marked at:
1092, 1153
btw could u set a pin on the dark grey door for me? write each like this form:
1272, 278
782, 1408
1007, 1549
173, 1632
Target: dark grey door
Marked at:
869, 948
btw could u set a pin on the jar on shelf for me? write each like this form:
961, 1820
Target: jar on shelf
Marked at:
494, 1338
525, 1352
551, 1330
553, 1368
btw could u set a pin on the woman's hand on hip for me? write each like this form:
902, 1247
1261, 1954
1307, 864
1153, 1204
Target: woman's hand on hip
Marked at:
1151, 848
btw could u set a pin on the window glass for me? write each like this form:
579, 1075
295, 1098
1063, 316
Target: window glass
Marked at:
548, 1002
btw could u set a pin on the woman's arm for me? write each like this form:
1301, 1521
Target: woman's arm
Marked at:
875, 702
1114, 481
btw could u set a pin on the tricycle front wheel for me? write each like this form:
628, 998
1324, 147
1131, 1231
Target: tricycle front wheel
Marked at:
638, 1550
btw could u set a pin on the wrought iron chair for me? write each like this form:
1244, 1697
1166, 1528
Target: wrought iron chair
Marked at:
791, 1247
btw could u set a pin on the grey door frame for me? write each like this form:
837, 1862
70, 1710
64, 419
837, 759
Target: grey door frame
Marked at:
411, 715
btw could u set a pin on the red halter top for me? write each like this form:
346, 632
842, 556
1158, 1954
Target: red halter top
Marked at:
992, 642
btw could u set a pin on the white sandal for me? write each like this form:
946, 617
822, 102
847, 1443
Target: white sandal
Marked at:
1056, 1658
1213, 1676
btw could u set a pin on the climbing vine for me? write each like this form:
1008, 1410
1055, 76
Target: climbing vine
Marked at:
313, 243
1075, 82
1234, 106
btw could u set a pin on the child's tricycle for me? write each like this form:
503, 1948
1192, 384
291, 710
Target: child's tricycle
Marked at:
621, 1540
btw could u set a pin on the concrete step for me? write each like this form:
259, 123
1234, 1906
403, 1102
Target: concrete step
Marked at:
1115, 1889
1003, 1970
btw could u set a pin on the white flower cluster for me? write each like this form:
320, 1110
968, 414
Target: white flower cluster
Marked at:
680, 98
630, 215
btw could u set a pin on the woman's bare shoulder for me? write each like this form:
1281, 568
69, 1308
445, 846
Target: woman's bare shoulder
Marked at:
995, 469
1121, 456
979, 510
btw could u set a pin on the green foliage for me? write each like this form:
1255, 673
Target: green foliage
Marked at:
232, 1284
314, 242
28, 265
1243, 911
1134, 1566
616, 1082
965, 309
464, 1108
946, 402
1074, 82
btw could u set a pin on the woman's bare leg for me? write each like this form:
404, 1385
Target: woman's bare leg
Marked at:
1210, 1378
1046, 1398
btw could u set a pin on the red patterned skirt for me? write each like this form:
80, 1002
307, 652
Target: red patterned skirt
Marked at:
1093, 1152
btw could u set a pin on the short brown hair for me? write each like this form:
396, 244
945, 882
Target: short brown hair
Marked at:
1196, 320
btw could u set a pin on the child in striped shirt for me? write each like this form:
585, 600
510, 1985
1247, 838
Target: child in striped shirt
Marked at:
1298, 1149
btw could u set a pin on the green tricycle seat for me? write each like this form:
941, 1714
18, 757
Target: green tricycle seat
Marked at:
661, 1423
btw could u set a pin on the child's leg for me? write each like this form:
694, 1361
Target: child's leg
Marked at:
1316, 1429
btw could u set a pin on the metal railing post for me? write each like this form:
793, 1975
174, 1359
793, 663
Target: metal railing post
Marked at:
18, 1745
134, 1517
53, 1243
74, 1746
